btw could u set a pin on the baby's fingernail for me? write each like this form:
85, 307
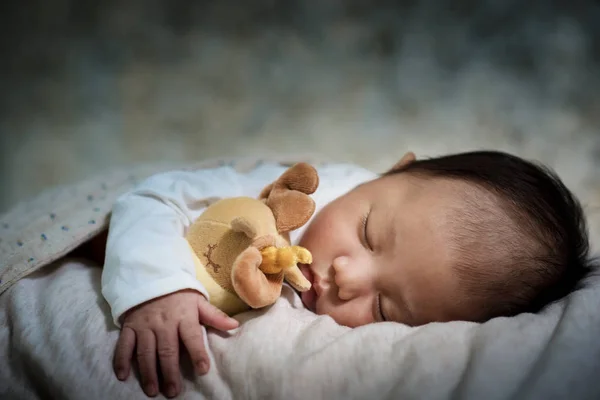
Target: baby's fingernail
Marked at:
171, 391
120, 374
151, 389
203, 366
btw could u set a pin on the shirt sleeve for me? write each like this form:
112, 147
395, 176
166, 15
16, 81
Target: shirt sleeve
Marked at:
147, 255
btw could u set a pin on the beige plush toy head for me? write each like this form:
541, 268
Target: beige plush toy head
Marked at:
241, 245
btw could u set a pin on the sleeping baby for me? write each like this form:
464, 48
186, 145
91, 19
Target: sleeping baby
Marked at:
470, 236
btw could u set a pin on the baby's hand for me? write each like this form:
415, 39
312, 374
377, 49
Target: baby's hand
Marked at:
154, 328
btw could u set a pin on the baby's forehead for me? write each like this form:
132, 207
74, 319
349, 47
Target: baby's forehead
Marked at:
452, 194
458, 212
430, 205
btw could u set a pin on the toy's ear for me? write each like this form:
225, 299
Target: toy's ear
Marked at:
288, 197
241, 224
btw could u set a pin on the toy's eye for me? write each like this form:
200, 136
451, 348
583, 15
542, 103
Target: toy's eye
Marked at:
364, 234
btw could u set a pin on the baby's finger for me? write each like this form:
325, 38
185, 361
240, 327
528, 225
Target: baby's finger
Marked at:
212, 316
146, 357
193, 338
168, 357
123, 353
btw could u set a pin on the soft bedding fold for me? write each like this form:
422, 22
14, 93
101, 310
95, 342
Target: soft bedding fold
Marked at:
57, 338
59, 342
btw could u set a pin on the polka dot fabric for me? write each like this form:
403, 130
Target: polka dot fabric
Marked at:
40, 230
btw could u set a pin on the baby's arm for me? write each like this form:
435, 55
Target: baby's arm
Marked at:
149, 277
147, 255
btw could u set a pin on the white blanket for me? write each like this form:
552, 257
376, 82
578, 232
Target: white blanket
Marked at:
59, 342
57, 339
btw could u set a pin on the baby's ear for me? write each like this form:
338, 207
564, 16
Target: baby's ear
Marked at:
406, 159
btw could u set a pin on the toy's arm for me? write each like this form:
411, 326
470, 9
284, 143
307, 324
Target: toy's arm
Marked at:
147, 255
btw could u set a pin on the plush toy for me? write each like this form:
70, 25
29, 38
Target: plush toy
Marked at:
241, 245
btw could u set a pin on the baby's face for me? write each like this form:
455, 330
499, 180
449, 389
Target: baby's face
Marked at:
382, 252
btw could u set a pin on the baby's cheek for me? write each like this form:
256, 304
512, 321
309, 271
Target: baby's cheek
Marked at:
351, 314
317, 233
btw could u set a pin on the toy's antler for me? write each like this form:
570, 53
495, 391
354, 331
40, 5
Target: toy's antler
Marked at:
288, 197
285, 259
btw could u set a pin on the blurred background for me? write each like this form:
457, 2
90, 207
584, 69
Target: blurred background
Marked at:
91, 85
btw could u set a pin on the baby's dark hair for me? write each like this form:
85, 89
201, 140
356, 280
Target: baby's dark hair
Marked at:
549, 257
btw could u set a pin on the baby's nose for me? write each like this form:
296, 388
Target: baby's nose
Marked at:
350, 279
340, 263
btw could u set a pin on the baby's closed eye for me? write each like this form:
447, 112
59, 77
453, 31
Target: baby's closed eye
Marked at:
379, 309
364, 231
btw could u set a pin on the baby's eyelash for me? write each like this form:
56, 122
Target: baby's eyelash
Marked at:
379, 310
365, 219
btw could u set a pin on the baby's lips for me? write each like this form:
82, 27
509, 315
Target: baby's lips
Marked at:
305, 269
309, 298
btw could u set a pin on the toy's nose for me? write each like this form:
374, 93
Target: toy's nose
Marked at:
272, 260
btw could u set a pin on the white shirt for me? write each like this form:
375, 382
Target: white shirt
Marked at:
147, 255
